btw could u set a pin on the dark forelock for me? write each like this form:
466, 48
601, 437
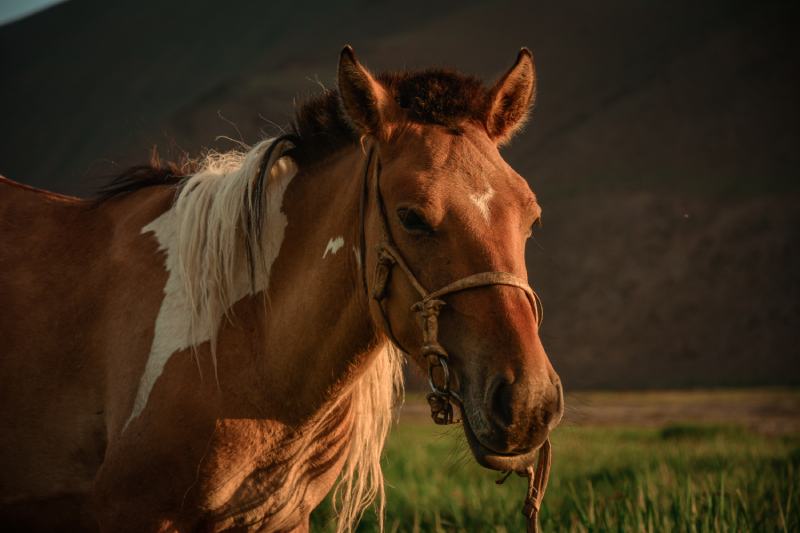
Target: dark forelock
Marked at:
433, 96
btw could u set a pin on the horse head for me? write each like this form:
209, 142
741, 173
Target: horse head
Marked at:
445, 221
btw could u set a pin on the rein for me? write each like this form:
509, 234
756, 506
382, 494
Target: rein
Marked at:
442, 396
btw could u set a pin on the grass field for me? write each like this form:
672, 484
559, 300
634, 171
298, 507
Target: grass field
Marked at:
668, 477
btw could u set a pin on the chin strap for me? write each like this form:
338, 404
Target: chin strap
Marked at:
427, 309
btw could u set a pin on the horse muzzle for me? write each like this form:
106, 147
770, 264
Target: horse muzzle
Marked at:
507, 427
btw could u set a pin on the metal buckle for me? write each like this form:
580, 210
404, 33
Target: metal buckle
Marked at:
444, 391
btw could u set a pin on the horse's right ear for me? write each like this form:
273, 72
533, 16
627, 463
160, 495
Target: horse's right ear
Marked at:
365, 101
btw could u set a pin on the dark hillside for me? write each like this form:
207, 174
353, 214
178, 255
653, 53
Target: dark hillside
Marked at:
664, 147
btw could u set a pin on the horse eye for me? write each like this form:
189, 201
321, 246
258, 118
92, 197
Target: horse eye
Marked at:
413, 221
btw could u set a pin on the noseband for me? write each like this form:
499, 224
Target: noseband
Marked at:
442, 396
427, 309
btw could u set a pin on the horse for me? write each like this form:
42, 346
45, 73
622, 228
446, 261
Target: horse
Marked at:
218, 345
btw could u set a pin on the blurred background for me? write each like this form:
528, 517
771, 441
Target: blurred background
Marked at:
664, 149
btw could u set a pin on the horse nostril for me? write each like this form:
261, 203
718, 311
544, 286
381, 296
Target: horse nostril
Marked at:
547, 416
501, 401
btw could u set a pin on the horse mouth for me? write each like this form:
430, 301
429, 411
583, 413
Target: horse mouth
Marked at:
504, 462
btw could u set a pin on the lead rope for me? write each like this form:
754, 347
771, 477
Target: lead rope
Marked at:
537, 484
442, 397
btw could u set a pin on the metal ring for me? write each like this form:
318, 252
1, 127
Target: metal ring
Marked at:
446, 371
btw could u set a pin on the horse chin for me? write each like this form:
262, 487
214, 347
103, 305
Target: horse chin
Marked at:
504, 462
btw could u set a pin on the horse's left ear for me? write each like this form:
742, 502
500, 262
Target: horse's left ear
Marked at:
512, 98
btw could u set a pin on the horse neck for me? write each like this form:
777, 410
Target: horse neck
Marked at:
313, 336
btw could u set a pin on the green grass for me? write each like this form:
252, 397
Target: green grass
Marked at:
692, 478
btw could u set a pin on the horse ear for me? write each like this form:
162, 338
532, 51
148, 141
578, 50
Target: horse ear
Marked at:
365, 101
511, 99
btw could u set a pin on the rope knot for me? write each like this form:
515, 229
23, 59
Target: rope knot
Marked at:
382, 271
441, 409
428, 308
428, 311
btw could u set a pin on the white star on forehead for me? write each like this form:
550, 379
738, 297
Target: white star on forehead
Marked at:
481, 200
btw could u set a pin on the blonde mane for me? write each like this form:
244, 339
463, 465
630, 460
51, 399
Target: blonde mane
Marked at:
374, 398
229, 230
221, 255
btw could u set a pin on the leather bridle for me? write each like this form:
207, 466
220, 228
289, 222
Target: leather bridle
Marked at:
442, 396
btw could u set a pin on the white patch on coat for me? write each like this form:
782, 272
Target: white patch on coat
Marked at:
172, 323
174, 330
482, 201
334, 245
